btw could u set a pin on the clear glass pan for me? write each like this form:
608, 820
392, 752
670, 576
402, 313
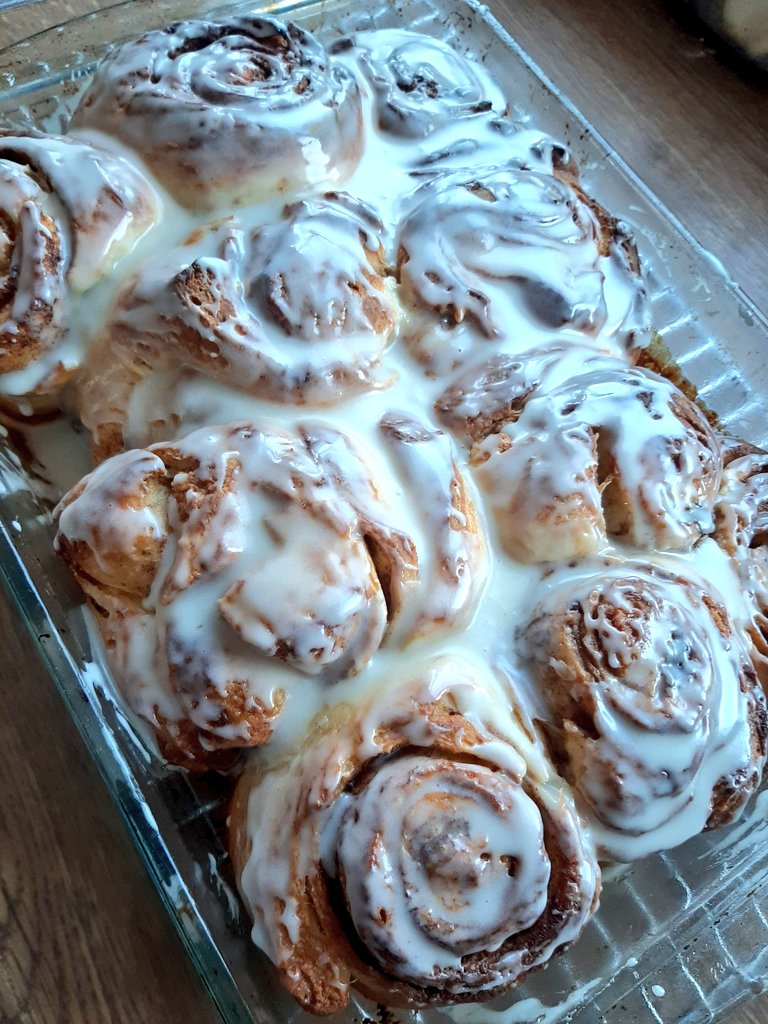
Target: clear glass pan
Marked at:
680, 937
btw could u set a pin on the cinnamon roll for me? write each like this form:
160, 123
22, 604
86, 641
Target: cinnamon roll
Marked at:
434, 573
613, 453
486, 395
655, 715
232, 110
419, 85
69, 209
233, 572
503, 258
296, 310
741, 516
417, 848
254, 580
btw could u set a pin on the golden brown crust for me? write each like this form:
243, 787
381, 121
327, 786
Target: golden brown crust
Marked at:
657, 358
295, 311
615, 452
221, 110
741, 515
637, 666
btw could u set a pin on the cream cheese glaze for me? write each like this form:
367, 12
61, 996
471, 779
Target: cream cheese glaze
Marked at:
262, 575
256, 100
296, 309
70, 209
654, 712
426, 820
421, 85
618, 451
295, 366
742, 523
410, 432
503, 258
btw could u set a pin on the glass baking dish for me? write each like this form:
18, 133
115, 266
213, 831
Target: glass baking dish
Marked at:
680, 937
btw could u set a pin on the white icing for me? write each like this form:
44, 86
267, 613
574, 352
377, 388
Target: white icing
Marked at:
453, 567
613, 452
256, 100
487, 394
104, 517
108, 203
525, 1011
401, 844
174, 398
336, 572
420, 86
742, 529
275, 568
72, 210
651, 698
503, 258
293, 310
451, 834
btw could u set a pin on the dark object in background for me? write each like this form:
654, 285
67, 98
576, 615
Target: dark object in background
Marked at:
742, 24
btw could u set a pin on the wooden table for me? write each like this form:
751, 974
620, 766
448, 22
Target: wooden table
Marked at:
83, 937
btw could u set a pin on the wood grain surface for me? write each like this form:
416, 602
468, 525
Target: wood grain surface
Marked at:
83, 936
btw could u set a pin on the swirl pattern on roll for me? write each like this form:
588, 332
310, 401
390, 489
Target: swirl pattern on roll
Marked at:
487, 395
420, 86
434, 582
655, 715
741, 516
297, 310
69, 209
505, 258
413, 847
229, 110
231, 569
613, 453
